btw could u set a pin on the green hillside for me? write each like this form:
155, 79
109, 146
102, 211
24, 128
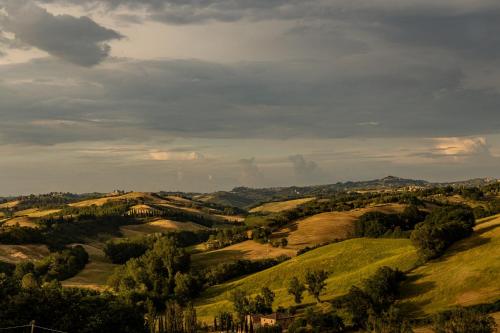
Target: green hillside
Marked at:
348, 263
467, 274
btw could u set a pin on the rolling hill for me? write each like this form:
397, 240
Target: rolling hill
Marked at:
329, 226
348, 262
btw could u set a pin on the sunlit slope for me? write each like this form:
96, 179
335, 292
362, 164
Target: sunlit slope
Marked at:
329, 226
279, 206
249, 250
469, 273
348, 262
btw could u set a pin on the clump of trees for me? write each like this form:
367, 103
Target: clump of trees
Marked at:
227, 236
378, 224
244, 304
441, 228
70, 310
158, 275
226, 271
317, 322
463, 320
57, 266
372, 305
122, 250
20, 235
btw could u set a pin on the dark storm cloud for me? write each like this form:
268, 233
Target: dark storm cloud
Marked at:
468, 28
77, 40
200, 11
40, 103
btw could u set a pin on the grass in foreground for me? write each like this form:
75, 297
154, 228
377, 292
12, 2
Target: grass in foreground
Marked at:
348, 263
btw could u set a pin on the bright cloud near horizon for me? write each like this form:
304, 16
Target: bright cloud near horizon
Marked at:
97, 95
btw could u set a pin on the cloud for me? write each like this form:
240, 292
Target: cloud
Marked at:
157, 155
47, 102
462, 146
250, 173
80, 41
305, 171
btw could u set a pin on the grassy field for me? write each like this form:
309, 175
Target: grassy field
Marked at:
279, 206
326, 227
9, 204
18, 253
467, 274
158, 226
348, 262
96, 272
35, 212
23, 221
250, 250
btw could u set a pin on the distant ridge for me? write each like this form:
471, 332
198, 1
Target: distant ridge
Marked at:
245, 197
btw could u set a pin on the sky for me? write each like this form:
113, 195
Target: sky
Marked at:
206, 95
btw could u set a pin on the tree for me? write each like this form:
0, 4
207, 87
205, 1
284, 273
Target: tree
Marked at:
190, 321
183, 287
382, 287
296, 289
268, 296
29, 281
316, 282
284, 242
241, 303
174, 318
